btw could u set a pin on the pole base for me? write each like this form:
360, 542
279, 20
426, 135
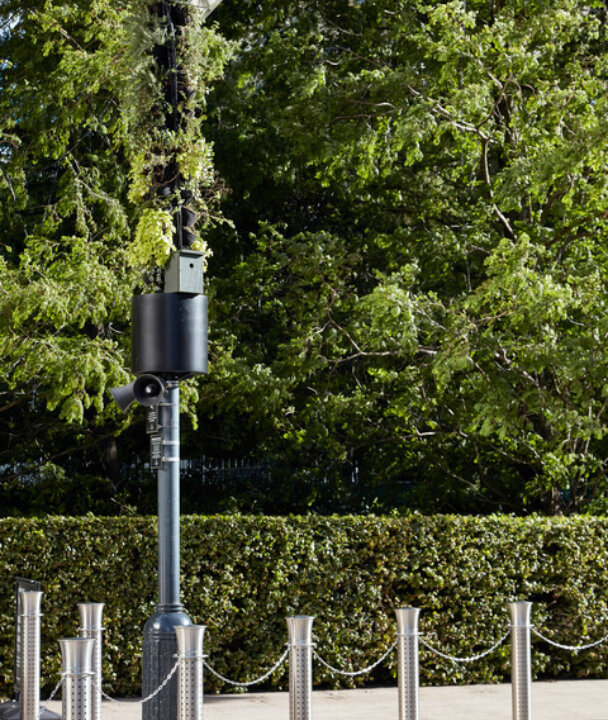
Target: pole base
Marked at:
11, 711
159, 656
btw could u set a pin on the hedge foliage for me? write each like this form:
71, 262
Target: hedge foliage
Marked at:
241, 575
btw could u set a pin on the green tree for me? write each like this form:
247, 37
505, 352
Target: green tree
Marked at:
416, 282
81, 135
409, 308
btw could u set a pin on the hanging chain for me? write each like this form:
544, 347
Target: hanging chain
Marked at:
151, 695
265, 676
573, 648
52, 695
466, 659
357, 672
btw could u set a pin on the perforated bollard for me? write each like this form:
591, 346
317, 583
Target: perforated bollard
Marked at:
91, 626
521, 660
190, 672
29, 700
408, 669
77, 668
300, 667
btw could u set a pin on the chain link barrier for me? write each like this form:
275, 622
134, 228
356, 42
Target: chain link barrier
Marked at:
331, 668
355, 673
572, 648
472, 658
150, 696
257, 681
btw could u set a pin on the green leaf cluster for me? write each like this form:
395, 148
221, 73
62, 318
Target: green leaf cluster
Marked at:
79, 104
416, 283
152, 143
412, 289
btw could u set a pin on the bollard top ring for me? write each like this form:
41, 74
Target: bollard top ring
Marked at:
300, 629
407, 620
520, 613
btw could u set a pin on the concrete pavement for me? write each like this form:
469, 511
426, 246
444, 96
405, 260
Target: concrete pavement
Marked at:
561, 700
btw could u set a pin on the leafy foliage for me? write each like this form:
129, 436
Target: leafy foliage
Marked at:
409, 306
162, 112
74, 141
243, 575
418, 267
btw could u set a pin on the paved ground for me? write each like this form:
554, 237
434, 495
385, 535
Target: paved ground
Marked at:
563, 700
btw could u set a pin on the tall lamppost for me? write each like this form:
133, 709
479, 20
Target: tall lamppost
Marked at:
169, 344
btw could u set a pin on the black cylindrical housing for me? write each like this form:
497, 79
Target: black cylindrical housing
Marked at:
169, 334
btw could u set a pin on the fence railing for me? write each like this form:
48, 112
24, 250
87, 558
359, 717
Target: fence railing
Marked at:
82, 682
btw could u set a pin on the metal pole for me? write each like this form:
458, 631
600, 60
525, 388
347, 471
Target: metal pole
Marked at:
160, 643
168, 502
29, 699
77, 666
13, 709
408, 670
190, 673
300, 667
91, 626
521, 660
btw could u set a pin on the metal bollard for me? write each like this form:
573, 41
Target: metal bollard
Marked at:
300, 667
408, 671
190, 672
91, 626
77, 668
29, 700
521, 660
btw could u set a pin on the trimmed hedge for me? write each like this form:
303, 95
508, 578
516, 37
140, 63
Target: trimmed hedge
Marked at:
242, 575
